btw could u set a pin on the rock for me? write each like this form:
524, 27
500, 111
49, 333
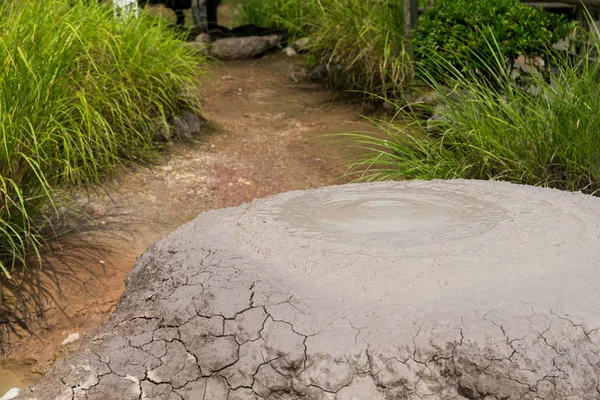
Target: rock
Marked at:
437, 119
11, 394
203, 38
289, 51
388, 106
301, 44
562, 44
532, 65
201, 43
325, 71
241, 48
390, 290
73, 337
184, 126
188, 125
430, 98
431, 105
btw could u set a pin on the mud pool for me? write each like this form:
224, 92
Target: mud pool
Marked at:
440, 289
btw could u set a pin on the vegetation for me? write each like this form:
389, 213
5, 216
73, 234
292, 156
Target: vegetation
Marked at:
296, 16
459, 32
540, 129
488, 124
80, 93
546, 134
364, 37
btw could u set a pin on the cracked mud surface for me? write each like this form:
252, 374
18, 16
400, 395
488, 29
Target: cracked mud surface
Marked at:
494, 295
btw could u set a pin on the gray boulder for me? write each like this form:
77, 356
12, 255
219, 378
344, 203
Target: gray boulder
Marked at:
241, 48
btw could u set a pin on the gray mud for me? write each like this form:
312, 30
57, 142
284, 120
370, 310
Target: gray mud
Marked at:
437, 290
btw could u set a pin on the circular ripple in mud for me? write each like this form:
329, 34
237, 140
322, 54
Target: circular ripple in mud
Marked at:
404, 212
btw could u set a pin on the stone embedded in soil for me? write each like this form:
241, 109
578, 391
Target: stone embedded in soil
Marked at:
184, 126
242, 48
289, 51
301, 44
441, 290
11, 394
73, 337
201, 44
203, 38
325, 71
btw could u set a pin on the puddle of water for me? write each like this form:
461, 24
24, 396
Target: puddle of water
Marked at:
15, 376
410, 213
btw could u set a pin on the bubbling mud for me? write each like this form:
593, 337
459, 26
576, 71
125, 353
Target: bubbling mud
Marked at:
404, 212
326, 289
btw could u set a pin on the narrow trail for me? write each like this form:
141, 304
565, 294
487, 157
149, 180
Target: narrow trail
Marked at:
268, 139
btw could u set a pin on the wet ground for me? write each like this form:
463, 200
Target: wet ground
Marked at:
267, 138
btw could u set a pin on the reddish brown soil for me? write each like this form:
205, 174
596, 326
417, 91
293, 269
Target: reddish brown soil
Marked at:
267, 138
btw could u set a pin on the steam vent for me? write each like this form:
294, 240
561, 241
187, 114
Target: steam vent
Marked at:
411, 290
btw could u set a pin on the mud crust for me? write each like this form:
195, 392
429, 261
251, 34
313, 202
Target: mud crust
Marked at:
250, 303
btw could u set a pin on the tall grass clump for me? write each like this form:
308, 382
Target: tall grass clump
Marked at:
298, 17
361, 40
366, 38
543, 133
80, 93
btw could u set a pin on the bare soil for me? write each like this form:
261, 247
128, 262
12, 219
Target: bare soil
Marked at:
267, 138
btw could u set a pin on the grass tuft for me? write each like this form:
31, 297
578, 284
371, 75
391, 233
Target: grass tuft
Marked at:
80, 93
295, 16
542, 134
363, 37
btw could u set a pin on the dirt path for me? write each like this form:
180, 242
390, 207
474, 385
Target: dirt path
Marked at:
268, 122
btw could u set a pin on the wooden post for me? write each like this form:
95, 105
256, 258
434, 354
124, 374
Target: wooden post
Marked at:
414, 13
582, 18
411, 14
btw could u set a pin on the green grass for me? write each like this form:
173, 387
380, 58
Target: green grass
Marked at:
296, 16
365, 37
80, 93
543, 134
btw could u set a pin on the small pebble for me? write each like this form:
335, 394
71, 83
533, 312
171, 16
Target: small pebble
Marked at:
11, 394
73, 337
203, 38
289, 51
301, 44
